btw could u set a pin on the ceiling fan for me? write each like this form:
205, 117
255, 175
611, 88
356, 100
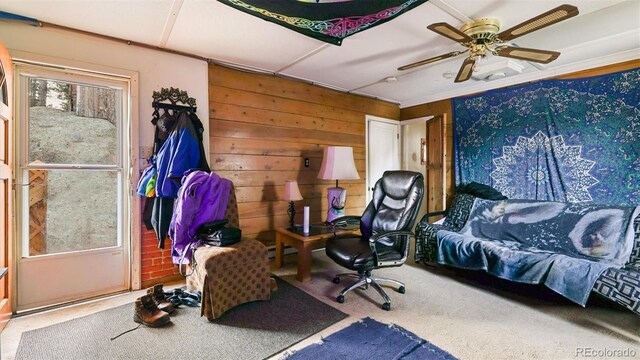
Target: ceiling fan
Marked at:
482, 36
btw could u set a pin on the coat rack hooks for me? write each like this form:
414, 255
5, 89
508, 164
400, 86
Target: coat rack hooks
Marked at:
173, 96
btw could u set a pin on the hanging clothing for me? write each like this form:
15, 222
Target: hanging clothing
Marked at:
179, 153
202, 198
197, 124
177, 148
161, 218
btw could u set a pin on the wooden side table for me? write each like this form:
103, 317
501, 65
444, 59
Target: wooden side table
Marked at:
304, 245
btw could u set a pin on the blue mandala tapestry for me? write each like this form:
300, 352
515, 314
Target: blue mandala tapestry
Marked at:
561, 140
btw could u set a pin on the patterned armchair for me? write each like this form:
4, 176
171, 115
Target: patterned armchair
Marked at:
232, 275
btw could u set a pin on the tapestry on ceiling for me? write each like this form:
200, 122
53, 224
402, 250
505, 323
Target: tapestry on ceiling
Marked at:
325, 20
562, 140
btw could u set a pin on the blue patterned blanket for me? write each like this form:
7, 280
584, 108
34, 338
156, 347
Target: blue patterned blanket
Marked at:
562, 245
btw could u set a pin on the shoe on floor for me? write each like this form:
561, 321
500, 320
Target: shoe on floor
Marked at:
146, 312
159, 298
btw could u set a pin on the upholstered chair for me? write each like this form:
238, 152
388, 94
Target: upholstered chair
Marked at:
231, 275
385, 233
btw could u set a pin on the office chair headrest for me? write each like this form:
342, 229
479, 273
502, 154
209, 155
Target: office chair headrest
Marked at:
398, 183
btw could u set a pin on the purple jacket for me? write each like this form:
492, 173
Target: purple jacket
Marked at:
202, 198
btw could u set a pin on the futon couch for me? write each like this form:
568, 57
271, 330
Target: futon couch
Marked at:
574, 249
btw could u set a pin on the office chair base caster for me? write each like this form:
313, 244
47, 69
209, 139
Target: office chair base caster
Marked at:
336, 280
340, 299
402, 290
386, 306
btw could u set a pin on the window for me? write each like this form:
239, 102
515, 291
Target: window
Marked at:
72, 160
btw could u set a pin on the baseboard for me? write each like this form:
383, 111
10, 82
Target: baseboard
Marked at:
162, 280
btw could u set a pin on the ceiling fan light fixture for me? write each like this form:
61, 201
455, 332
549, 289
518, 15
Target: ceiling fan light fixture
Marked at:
476, 65
482, 30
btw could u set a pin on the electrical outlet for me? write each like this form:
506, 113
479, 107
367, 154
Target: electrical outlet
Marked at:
306, 162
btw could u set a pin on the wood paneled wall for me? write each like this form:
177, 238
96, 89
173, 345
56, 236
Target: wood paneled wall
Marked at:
262, 128
446, 107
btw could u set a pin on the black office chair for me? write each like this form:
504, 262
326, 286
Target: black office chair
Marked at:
385, 229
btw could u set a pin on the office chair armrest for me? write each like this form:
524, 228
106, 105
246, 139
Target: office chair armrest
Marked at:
348, 222
390, 234
432, 214
375, 238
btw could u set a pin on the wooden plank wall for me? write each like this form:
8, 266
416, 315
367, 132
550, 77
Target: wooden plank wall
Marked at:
445, 107
262, 128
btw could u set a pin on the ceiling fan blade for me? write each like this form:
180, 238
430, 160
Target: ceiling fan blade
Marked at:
449, 31
430, 60
535, 55
466, 69
550, 17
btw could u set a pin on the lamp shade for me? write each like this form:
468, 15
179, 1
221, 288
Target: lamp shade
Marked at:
291, 191
338, 164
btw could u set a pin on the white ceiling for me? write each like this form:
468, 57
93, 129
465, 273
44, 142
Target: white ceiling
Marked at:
606, 31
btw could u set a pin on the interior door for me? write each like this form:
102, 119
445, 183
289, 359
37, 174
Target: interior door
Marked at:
6, 88
414, 147
435, 181
383, 151
74, 197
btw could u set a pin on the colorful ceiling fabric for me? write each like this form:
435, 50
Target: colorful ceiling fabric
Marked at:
561, 140
325, 20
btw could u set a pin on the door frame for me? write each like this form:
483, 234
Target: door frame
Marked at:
132, 208
6, 111
423, 120
368, 119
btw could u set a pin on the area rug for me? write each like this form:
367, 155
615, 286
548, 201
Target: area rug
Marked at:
368, 339
254, 330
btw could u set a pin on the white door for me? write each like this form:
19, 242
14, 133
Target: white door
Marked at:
73, 193
383, 151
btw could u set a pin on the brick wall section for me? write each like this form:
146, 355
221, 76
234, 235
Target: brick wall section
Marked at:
156, 266
156, 263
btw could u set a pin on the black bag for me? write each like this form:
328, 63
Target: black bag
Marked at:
211, 227
215, 233
223, 237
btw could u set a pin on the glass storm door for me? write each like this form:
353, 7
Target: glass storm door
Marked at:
6, 195
74, 235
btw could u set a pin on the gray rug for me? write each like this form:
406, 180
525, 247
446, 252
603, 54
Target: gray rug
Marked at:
254, 330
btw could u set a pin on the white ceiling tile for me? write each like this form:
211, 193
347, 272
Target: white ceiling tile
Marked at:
217, 31
140, 21
374, 54
514, 12
585, 28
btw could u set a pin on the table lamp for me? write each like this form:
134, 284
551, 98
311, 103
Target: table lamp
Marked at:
291, 194
337, 164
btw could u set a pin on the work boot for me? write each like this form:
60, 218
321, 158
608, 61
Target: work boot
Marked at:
147, 312
161, 301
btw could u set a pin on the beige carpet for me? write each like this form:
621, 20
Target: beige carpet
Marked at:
463, 314
476, 316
